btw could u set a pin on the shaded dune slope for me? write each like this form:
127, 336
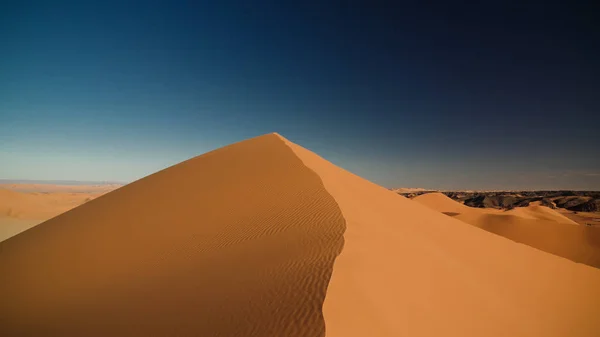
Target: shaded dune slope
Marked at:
237, 242
407, 270
537, 226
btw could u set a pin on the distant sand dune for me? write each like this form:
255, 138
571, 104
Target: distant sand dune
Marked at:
265, 238
535, 225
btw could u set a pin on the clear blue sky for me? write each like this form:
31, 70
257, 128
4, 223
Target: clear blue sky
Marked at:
477, 97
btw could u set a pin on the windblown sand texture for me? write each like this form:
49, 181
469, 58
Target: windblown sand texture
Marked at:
237, 242
537, 226
242, 241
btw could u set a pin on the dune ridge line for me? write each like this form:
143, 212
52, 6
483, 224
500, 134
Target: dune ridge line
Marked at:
407, 270
239, 241
535, 225
265, 238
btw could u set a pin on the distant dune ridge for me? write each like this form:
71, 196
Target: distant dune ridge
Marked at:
534, 225
265, 238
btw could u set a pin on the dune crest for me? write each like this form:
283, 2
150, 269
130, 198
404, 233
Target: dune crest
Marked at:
407, 270
236, 242
535, 225
265, 238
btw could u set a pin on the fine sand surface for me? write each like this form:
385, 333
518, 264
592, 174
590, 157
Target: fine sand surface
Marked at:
582, 218
242, 241
537, 226
238, 242
25, 205
407, 270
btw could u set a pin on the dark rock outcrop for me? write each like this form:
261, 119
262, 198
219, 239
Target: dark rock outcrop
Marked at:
589, 206
580, 201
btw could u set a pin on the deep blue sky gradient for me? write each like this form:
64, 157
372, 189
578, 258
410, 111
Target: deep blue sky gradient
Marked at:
503, 96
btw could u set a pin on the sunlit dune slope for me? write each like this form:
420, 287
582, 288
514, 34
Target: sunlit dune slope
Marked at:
407, 270
242, 241
535, 225
237, 242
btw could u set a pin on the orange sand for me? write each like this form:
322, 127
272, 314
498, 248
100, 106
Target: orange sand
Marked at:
237, 242
407, 270
582, 218
242, 241
20, 210
535, 225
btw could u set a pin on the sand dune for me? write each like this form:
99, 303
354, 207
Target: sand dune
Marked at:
408, 271
242, 241
582, 218
237, 242
535, 225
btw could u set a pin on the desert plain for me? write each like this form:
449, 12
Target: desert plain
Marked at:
24, 205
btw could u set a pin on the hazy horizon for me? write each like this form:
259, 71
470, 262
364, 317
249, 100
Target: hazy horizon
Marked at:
469, 97
76, 182
107, 182
61, 182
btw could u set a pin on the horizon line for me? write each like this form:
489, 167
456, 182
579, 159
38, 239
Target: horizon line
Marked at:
114, 182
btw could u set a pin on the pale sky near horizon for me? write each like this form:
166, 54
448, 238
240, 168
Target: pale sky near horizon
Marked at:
484, 96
